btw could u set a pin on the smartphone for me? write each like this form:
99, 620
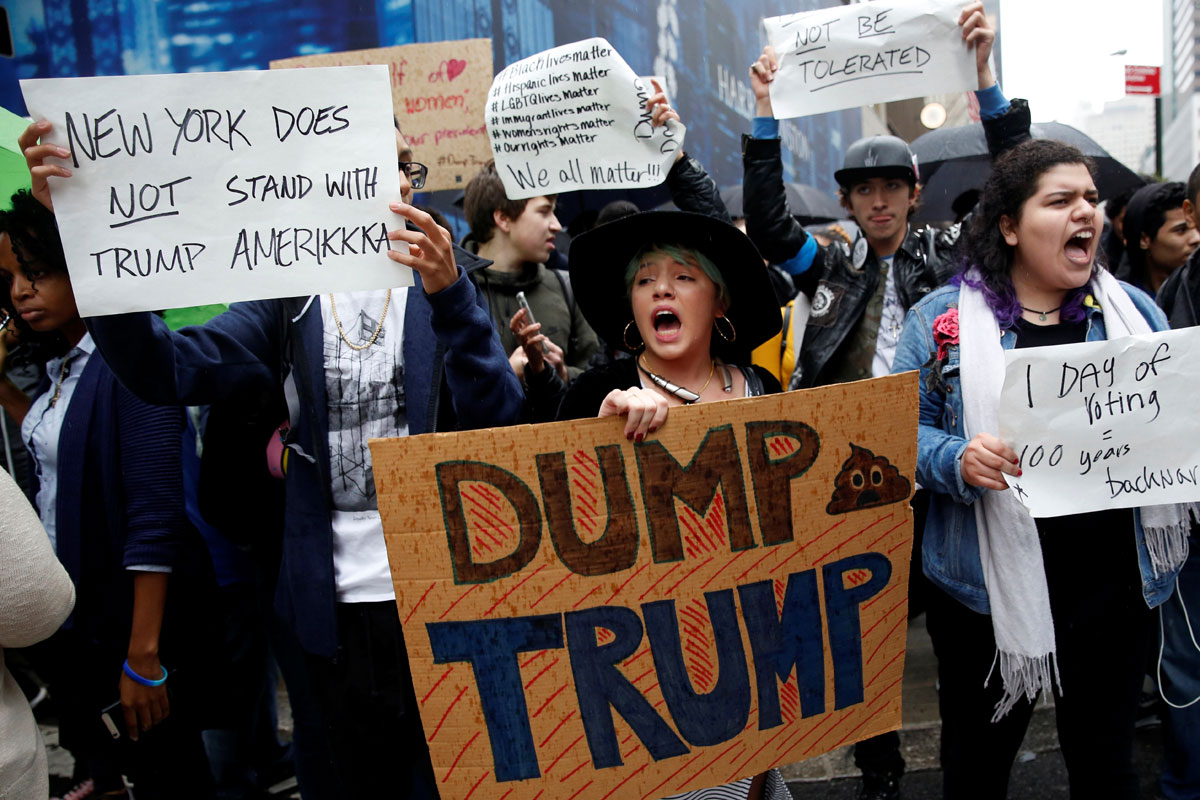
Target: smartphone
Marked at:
529, 320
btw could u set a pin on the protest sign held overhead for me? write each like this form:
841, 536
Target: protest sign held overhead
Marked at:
438, 92
590, 617
857, 55
575, 117
208, 188
1102, 425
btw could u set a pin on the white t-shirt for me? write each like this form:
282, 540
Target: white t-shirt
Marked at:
891, 322
364, 392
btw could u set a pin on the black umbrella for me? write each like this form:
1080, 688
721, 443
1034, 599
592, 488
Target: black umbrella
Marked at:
955, 160
808, 203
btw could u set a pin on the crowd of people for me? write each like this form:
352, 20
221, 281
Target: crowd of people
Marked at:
203, 548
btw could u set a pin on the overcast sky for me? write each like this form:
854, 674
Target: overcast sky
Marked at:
1056, 52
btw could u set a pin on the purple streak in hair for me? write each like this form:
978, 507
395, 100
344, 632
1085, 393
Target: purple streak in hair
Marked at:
1006, 307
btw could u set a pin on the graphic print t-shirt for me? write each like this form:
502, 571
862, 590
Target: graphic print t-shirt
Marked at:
364, 392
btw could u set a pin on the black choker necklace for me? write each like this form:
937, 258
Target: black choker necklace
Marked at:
686, 395
1041, 314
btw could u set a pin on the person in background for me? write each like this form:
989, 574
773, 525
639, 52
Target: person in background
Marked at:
36, 595
517, 236
1159, 236
1178, 658
1112, 243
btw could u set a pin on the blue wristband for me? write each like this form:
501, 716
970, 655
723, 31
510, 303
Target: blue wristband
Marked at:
133, 676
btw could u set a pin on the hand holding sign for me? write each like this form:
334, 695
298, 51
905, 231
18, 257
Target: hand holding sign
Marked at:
36, 154
845, 57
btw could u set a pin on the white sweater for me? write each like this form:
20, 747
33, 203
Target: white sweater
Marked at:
36, 595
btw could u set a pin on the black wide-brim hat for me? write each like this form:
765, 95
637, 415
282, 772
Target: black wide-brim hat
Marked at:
600, 256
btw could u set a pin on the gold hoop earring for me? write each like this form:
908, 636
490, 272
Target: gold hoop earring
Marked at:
732, 335
625, 337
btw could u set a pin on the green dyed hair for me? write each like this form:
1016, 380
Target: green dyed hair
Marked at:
683, 256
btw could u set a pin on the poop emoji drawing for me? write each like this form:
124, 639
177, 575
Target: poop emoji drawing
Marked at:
866, 481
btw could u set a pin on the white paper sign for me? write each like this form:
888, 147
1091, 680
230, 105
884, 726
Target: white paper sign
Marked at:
856, 55
575, 118
1103, 425
213, 187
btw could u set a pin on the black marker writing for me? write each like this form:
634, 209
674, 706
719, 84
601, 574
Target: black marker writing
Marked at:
206, 125
144, 201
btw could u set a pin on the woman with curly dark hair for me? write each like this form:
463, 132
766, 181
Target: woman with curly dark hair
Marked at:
1023, 605
110, 496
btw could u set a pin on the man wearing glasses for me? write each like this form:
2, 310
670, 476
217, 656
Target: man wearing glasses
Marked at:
353, 366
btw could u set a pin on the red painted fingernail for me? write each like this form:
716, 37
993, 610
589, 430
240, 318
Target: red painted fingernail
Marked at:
629, 436
639, 437
1020, 472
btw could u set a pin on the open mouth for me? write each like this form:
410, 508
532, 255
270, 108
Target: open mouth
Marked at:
1079, 247
666, 324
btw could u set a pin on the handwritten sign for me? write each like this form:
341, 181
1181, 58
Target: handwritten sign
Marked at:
850, 56
438, 92
1103, 425
212, 187
588, 617
575, 118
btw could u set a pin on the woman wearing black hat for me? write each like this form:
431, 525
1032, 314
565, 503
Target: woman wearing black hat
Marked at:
687, 296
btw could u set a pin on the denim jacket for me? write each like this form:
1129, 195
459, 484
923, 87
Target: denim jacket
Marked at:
950, 555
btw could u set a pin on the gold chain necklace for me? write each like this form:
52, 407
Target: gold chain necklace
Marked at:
62, 377
387, 301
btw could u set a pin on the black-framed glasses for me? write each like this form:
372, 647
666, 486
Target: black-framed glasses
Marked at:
416, 173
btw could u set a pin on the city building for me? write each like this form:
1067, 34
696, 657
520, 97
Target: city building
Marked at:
1125, 128
1180, 80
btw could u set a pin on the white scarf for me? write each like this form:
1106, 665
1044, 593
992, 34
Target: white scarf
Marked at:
1008, 539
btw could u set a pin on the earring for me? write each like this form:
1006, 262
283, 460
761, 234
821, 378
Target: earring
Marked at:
729, 337
625, 337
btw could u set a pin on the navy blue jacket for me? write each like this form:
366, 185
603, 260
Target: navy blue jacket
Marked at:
455, 376
120, 497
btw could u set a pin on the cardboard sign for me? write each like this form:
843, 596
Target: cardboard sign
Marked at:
438, 91
212, 187
575, 118
1102, 425
857, 55
587, 617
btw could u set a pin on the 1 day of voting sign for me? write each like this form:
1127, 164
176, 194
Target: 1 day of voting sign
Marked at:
213, 187
857, 55
1101, 425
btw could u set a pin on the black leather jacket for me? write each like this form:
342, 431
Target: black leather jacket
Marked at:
692, 189
842, 279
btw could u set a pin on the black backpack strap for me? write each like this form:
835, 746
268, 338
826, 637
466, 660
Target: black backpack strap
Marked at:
564, 281
754, 382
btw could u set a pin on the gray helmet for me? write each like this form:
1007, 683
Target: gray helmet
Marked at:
877, 157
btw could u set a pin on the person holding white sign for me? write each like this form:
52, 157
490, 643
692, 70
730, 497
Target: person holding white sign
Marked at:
860, 291
1022, 605
354, 366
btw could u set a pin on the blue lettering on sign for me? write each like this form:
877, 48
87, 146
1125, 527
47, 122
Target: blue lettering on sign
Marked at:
780, 642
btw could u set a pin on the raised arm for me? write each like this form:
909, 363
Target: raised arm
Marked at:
692, 189
769, 222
